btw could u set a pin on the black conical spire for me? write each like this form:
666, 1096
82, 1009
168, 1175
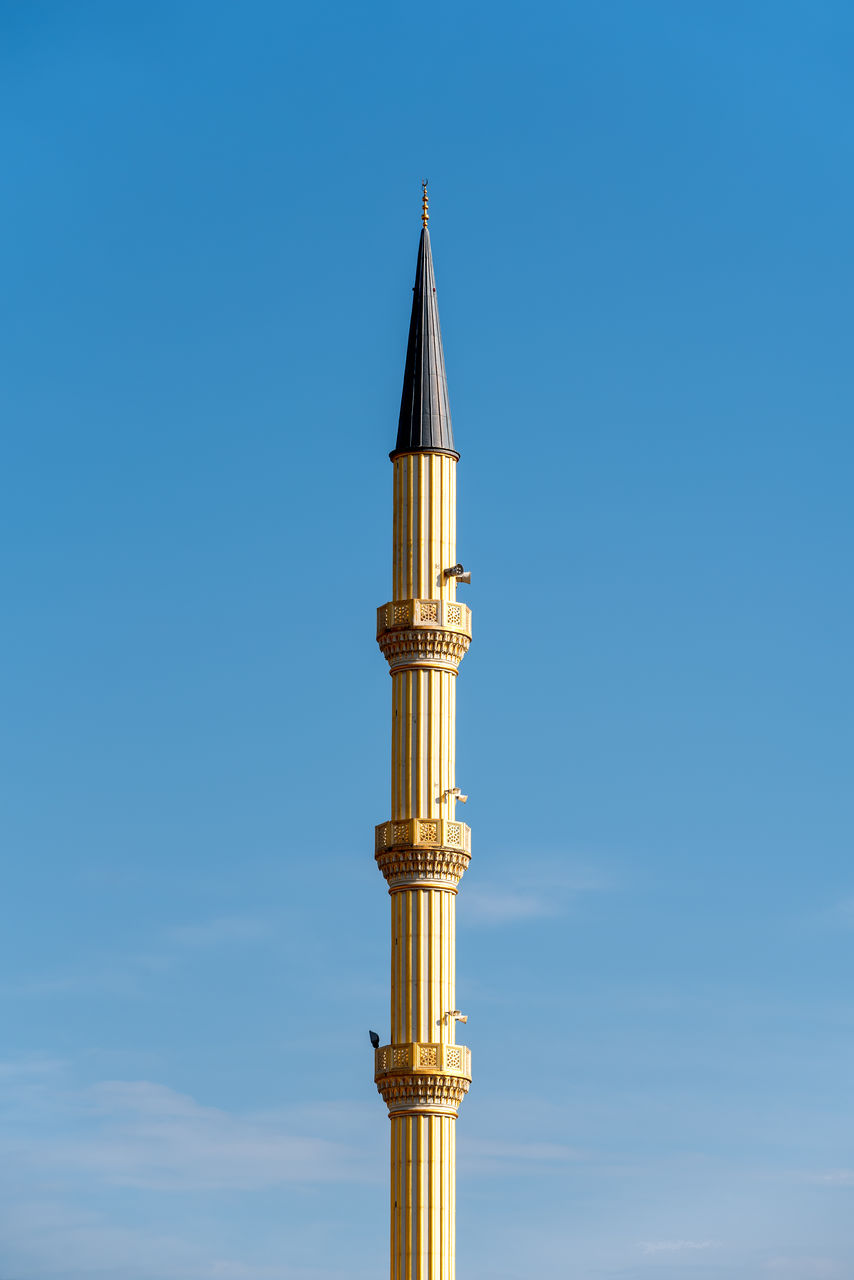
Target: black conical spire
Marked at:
425, 415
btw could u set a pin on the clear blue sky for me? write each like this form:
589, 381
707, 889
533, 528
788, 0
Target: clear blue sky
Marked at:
642, 225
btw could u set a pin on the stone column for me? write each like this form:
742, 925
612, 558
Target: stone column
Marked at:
422, 851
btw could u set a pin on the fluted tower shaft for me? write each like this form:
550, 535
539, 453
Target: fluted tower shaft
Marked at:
423, 849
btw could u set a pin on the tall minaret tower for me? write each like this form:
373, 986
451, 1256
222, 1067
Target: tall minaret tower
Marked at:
423, 850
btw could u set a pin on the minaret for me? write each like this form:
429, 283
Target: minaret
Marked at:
423, 849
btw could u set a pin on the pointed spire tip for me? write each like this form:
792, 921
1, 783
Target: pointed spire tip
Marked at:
424, 425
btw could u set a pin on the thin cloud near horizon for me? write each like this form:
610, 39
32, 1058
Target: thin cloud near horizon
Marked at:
548, 894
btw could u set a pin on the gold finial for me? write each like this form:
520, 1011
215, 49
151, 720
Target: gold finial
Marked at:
424, 214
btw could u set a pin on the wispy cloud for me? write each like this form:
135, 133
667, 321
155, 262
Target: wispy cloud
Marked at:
29, 1070
550, 891
116, 979
156, 1138
484, 1155
675, 1246
220, 930
837, 915
833, 1178
45, 1238
806, 1268
843, 911
128, 974
62, 1145
144, 1134
500, 906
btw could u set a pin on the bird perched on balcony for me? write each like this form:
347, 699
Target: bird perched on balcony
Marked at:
375, 1040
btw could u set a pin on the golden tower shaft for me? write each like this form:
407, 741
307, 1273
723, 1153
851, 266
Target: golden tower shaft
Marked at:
423, 849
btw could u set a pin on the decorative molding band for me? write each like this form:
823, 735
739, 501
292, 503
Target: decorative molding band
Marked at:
424, 852
413, 1095
423, 868
424, 633
422, 1077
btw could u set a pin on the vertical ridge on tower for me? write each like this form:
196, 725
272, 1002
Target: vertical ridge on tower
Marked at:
423, 849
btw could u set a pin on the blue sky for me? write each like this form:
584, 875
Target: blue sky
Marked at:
641, 219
